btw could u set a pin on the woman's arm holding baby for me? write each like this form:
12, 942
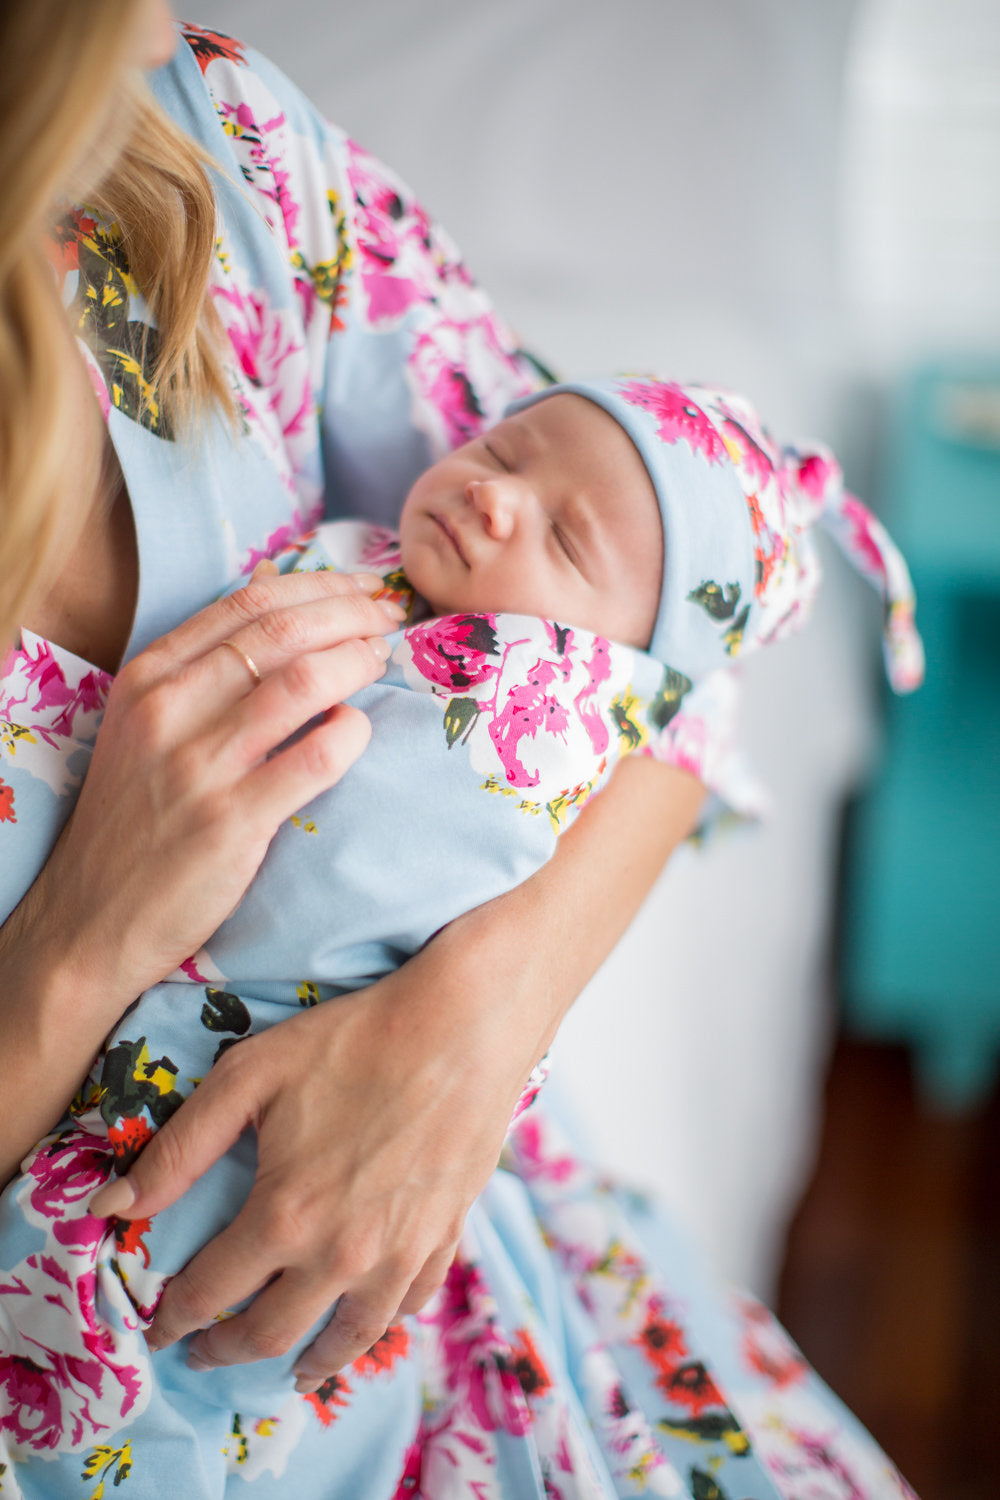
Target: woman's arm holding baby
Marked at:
369, 1158
182, 797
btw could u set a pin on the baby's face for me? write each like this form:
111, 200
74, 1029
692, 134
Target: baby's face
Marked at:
550, 513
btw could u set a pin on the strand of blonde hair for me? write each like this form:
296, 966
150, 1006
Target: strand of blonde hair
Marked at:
59, 67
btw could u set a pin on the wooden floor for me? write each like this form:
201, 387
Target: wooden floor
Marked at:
892, 1279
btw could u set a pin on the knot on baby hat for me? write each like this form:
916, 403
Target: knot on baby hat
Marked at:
740, 566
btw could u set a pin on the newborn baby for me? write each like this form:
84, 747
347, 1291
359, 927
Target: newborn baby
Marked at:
589, 559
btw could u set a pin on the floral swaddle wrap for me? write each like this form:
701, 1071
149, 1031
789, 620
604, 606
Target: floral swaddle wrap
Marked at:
490, 732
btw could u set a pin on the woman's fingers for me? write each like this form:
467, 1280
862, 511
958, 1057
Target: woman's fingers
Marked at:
430, 1279
286, 782
275, 1321
263, 594
232, 1267
288, 697
360, 1318
183, 1149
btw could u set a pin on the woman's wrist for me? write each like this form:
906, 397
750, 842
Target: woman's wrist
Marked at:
55, 1010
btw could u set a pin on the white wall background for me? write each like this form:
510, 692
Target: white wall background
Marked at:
654, 184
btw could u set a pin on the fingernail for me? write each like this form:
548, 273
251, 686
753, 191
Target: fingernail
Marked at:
266, 565
195, 1362
367, 582
380, 646
307, 1384
395, 611
114, 1198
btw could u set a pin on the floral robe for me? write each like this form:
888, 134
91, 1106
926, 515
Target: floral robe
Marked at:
577, 1348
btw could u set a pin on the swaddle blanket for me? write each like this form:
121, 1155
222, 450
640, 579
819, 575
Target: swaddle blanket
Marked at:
489, 733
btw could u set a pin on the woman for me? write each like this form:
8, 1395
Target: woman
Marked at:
328, 289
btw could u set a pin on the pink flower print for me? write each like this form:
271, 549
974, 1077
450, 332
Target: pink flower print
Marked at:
74, 1361
816, 472
380, 550
865, 542
295, 536
453, 652
480, 1365
531, 710
679, 418
30, 1403
598, 670
465, 374
766, 1347
750, 453
36, 683
63, 1174
536, 1160
276, 390
61, 1393
686, 744
260, 141
399, 261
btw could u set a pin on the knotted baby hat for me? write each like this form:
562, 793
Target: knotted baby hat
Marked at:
740, 565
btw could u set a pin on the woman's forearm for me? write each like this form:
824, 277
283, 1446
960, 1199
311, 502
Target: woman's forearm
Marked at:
195, 768
426, 1066
526, 956
53, 1019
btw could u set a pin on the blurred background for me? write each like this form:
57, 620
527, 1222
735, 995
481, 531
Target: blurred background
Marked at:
797, 1042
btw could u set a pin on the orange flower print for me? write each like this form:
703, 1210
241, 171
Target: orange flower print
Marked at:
7, 814
529, 1367
690, 1385
662, 1342
333, 1393
383, 1354
128, 1138
129, 1237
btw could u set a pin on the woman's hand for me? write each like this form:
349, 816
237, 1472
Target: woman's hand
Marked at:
377, 1125
185, 790
380, 1115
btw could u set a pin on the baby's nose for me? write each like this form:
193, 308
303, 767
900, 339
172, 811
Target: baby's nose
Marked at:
496, 502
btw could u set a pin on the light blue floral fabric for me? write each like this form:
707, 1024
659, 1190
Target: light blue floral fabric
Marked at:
577, 1349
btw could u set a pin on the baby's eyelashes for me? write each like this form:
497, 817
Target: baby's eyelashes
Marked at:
565, 544
497, 457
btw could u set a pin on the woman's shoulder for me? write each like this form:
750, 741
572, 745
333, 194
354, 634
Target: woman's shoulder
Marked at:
253, 122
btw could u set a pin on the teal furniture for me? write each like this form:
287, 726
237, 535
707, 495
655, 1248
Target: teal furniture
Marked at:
921, 932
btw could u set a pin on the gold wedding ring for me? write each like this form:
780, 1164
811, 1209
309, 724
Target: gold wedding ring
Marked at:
247, 661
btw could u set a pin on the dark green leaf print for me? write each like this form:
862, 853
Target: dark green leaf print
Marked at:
125, 349
668, 700
734, 635
628, 729
132, 1082
704, 1487
225, 1012
717, 601
459, 716
481, 636
712, 1428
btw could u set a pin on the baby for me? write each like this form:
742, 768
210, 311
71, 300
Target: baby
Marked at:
600, 550
651, 513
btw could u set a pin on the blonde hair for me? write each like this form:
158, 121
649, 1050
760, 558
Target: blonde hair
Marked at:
77, 124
